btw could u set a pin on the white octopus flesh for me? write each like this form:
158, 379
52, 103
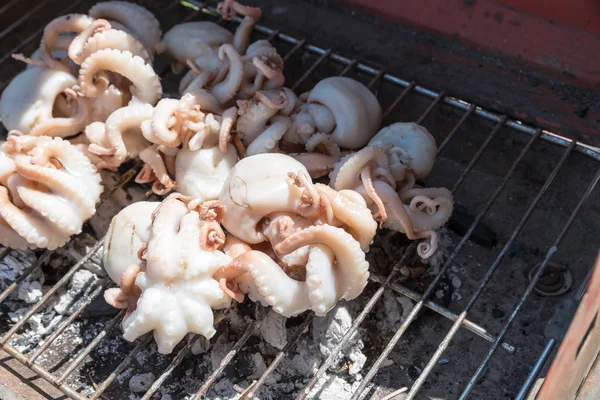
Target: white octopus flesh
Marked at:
48, 190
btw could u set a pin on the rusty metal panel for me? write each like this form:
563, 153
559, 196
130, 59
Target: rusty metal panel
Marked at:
579, 348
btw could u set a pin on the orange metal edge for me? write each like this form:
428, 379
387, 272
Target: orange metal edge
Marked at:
541, 43
579, 348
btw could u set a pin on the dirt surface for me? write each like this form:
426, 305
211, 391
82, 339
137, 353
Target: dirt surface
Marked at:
506, 373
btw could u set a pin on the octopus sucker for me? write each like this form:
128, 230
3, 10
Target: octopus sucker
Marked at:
106, 38
175, 282
146, 84
137, 20
120, 136
77, 44
42, 176
67, 23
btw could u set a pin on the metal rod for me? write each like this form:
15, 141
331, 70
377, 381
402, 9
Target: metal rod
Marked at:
375, 79
455, 129
121, 367
88, 349
551, 343
433, 104
348, 67
7, 6
34, 35
17, 355
413, 314
531, 285
13, 286
537, 367
280, 356
48, 342
488, 275
311, 69
480, 151
225, 361
451, 101
51, 292
293, 49
404, 93
5, 251
174, 363
24, 17
469, 325
359, 319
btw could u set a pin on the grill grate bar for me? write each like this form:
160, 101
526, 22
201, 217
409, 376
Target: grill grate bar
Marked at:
294, 49
553, 249
48, 342
88, 349
11, 288
253, 390
225, 361
174, 363
359, 319
24, 17
7, 6
111, 378
127, 176
65, 279
488, 276
402, 95
480, 151
433, 104
348, 67
311, 69
413, 314
448, 138
17, 355
469, 325
375, 79
37, 33
5, 251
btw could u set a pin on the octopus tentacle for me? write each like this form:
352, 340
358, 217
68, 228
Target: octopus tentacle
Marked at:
438, 203
152, 157
77, 45
146, 85
323, 140
287, 296
109, 39
350, 208
228, 9
226, 90
321, 279
229, 119
164, 124
347, 171
310, 196
267, 142
136, 19
367, 181
317, 164
66, 23
64, 127
350, 259
255, 113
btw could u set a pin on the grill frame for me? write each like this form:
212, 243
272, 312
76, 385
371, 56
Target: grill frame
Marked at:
469, 111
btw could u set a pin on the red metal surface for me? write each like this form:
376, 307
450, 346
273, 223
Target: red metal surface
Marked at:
579, 348
583, 14
555, 47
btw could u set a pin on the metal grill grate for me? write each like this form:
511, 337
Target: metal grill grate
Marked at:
321, 58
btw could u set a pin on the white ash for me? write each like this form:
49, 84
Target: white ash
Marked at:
272, 330
330, 330
201, 346
12, 267
395, 308
81, 285
30, 292
141, 382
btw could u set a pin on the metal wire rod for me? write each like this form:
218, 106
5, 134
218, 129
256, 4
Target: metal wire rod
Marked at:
551, 251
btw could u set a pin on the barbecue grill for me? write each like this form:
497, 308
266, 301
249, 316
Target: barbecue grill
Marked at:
521, 243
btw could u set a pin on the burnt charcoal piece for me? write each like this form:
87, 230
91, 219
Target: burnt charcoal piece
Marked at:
99, 308
461, 220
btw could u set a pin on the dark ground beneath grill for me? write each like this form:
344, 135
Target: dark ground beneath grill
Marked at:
425, 59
